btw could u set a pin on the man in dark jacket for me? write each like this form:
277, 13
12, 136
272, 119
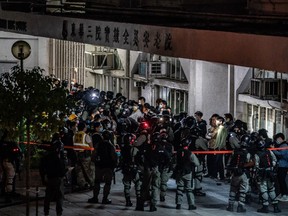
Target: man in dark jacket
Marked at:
52, 171
105, 162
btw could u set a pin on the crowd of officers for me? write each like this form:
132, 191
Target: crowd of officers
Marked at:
150, 144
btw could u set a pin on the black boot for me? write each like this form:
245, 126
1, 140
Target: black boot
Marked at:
178, 206
106, 201
139, 205
264, 209
93, 200
128, 202
248, 199
192, 207
8, 198
240, 208
153, 208
276, 208
198, 192
230, 207
162, 198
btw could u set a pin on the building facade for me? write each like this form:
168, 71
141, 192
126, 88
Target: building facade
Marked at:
256, 96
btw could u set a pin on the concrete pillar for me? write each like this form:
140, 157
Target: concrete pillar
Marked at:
208, 88
231, 90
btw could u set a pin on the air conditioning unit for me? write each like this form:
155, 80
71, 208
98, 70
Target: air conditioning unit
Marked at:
158, 68
97, 71
139, 84
99, 60
268, 88
154, 68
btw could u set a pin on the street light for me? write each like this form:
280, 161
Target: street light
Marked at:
21, 50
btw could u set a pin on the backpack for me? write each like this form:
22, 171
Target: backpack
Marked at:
237, 162
266, 162
265, 159
106, 156
184, 164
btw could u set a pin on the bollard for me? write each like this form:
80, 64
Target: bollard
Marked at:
37, 195
114, 178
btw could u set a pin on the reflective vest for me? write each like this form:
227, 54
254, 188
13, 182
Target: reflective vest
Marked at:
80, 140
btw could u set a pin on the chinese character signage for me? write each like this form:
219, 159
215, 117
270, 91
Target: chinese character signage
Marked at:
103, 33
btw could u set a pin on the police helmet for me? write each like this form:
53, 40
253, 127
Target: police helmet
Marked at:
245, 141
182, 115
189, 121
165, 119
254, 136
260, 144
186, 142
163, 134
195, 131
155, 138
102, 94
122, 125
129, 139
107, 135
144, 125
109, 95
263, 133
126, 112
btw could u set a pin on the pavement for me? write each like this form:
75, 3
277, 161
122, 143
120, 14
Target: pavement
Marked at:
213, 204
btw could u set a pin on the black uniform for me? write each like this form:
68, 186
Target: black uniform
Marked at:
52, 171
151, 155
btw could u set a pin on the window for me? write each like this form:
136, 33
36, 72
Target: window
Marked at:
268, 88
176, 99
278, 121
250, 117
262, 117
255, 87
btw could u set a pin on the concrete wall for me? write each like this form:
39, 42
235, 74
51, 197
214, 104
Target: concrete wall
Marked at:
208, 87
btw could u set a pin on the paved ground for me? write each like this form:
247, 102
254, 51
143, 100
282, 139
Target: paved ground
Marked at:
214, 204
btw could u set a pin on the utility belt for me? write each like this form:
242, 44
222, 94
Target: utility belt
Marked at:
130, 169
151, 169
236, 171
267, 174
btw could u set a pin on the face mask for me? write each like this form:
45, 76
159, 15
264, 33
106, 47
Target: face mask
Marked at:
160, 106
101, 129
278, 141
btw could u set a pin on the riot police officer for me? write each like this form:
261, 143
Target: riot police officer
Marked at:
265, 162
185, 166
106, 161
129, 167
165, 162
150, 156
198, 143
239, 181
